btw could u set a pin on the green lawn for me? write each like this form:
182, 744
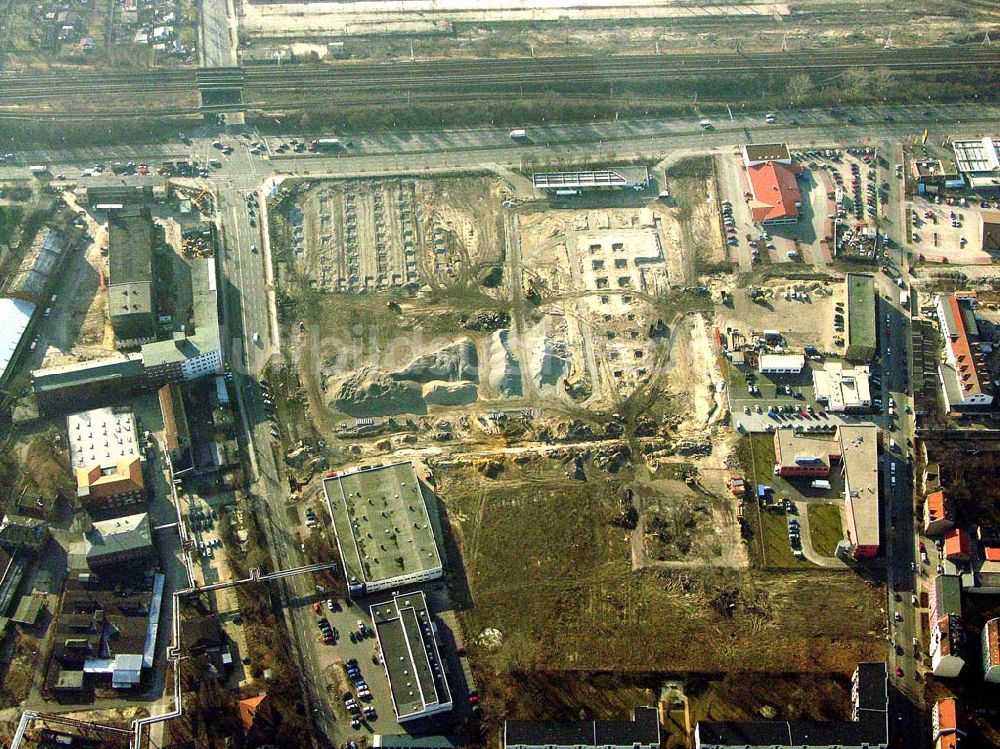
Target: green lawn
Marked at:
825, 528
777, 550
755, 453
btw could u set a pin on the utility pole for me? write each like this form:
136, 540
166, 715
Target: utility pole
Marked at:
784, 42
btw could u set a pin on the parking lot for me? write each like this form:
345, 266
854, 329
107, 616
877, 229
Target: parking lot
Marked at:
946, 231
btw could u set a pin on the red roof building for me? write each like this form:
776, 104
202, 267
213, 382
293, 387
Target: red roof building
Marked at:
957, 546
253, 710
776, 193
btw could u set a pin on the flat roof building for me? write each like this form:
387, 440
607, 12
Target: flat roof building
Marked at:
195, 351
799, 456
761, 153
936, 173
989, 231
614, 178
16, 315
978, 162
105, 458
843, 388
781, 363
406, 638
945, 596
860, 329
641, 732
384, 532
131, 302
859, 458
867, 729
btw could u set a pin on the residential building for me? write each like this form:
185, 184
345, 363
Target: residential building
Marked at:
254, 711
946, 726
937, 514
405, 633
957, 545
131, 301
776, 194
946, 644
945, 597
177, 435
114, 542
867, 729
843, 388
642, 732
989, 231
105, 458
964, 378
781, 363
860, 329
991, 651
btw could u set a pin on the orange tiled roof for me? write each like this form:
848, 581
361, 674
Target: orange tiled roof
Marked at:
775, 192
249, 708
127, 477
956, 543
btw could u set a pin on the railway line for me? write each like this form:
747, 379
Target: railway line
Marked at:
363, 81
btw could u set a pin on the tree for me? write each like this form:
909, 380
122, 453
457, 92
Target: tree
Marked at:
856, 82
798, 88
882, 81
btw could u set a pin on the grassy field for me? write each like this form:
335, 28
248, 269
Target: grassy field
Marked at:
549, 571
825, 528
774, 539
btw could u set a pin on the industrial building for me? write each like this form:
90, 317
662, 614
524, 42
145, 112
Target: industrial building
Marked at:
642, 732
855, 448
131, 300
991, 651
781, 363
933, 175
27, 293
841, 388
859, 458
964, 379
616, 178
105, 458
383, 528
978, 162
192, 352
946, 646
114, 542
408, 644
860, 328
105, 634
799, 456
867, 729
776, 196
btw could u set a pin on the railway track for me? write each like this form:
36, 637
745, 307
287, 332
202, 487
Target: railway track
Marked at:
361, 80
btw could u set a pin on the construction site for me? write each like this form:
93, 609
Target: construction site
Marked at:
551, 359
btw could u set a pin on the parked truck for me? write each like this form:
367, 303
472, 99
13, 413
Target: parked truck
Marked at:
326, 145
519, 134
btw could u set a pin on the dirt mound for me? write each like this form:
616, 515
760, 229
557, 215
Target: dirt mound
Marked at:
456, 362
505, 369
443, 393
371, 392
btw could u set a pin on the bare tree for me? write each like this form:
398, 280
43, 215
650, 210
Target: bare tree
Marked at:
857, 81
798, 88
882, 81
